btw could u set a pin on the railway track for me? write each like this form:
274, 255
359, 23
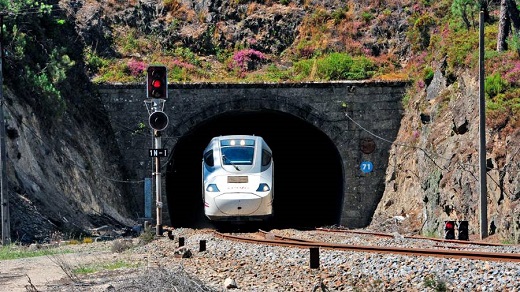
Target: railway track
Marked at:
263, 237
410, 237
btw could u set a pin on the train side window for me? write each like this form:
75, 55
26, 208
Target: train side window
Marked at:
266, 157
208, 158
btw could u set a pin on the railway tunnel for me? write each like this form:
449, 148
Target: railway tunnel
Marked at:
308, 176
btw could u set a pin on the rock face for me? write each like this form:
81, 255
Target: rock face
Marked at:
209, 27
433, 172
63, 179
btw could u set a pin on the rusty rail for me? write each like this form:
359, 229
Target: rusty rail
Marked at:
291, 242
411, 237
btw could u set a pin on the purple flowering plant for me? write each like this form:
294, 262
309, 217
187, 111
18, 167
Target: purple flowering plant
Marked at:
136, 67
246, 60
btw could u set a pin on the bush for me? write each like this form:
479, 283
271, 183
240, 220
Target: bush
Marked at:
428, 75
121, 245
88, 240
494, 85
419, 34
136, 68
335, 66
146, 237
246, 60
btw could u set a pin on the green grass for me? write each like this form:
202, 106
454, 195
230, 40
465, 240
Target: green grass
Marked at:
10, 252
89, 269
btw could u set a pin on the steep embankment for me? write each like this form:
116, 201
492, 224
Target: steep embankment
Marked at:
62, 174
433, 172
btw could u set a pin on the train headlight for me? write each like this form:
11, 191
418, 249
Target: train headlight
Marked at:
263, 187
212, 188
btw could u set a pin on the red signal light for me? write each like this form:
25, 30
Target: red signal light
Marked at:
157, 82
449, 229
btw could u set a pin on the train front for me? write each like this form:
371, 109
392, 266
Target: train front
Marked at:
238, 179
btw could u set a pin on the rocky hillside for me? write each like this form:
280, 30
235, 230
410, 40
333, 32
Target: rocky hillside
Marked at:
433, 172
63, 176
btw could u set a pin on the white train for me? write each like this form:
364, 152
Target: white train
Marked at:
237, 179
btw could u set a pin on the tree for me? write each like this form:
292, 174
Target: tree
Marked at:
514, 14
504, 26
466, 9
509, 15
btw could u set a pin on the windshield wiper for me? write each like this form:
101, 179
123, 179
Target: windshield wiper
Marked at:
231, 162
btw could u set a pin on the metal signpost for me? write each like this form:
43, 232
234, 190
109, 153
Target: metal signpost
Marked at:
482, 132
4, 198
157, 93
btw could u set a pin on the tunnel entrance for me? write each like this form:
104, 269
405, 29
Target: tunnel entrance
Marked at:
308, 174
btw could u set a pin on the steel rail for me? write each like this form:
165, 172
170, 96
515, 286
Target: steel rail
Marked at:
411, 237
286, 241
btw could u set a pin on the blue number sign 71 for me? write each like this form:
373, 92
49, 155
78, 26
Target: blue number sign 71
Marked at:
366, 166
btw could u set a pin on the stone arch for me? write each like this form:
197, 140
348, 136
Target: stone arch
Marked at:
324, 179
298, 109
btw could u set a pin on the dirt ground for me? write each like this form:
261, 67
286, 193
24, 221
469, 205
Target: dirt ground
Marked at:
54, 272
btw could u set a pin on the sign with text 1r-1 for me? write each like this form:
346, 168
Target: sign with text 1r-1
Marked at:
158, 152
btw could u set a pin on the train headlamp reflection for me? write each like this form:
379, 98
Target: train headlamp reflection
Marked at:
263, 187
212, 188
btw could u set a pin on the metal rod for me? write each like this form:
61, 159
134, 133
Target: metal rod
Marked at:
482, 132
4, 198
158, 184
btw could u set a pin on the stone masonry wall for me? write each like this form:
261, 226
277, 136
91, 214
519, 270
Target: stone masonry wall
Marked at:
361, 118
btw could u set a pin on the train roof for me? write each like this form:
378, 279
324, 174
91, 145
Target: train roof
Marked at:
257, 139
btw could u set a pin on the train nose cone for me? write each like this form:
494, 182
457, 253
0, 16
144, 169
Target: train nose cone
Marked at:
237, 204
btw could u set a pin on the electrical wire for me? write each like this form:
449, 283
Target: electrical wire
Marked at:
427, 153
34, 10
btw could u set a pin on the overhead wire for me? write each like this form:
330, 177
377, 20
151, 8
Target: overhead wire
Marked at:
427, 153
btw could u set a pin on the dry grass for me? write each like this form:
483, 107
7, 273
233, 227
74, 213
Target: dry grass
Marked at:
162, 279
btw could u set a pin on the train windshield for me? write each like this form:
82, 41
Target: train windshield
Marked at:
238, 155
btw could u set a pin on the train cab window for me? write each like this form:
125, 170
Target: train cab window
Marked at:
266, 157
208, 158
237, 155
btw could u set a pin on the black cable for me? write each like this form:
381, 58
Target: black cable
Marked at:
429, 154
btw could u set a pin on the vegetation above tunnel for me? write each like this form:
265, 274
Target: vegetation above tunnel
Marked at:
257, 41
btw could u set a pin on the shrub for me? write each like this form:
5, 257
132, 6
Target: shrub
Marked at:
514, 43
432, 281
88, 240
335, 66
419, 34
494, 85
367, 16
246, 60
428, 75
121, 245
93, 61
339, 14
512, 76
146, 237
136, 67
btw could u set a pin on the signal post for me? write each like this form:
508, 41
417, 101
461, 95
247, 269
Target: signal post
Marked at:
157, 93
